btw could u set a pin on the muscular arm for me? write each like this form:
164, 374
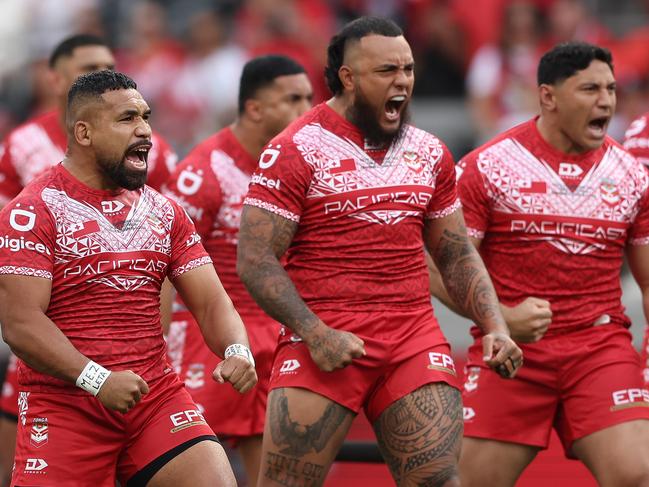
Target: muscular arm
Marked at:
36, 340
263, 239
217, 318
464, 279
638, 257
32, 336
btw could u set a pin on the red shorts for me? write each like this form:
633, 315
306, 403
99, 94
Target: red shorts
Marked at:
644, 354
578, 383
74, 441
9, 399
229, 413
405, 350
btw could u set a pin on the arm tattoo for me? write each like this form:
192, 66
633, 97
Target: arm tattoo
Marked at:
465, 277
263, 238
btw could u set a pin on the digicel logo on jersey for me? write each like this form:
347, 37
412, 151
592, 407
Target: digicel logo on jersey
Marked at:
264, 181
18, 244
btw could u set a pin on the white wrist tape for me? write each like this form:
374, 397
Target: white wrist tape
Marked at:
92, 378
238, 349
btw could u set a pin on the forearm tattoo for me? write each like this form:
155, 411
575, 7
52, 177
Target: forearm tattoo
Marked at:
420, 435
465, 277
263, 238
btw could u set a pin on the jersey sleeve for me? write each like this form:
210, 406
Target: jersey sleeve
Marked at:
9, 181
281, 182
445, 198
639, 233
27, 238
162, 161
187, 251
473, 194
636, 139
196, 188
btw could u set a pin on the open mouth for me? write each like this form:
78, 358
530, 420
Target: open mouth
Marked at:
597, 126
138, 154
394, 106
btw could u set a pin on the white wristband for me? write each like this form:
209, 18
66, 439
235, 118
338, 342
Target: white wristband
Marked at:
238, 349
92, 378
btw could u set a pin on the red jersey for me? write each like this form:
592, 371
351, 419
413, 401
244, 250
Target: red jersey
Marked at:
31, 149
211, 183
636, 139
106, 253
360, 212
553, 225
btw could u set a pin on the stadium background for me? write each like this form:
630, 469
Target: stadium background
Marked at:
475, 76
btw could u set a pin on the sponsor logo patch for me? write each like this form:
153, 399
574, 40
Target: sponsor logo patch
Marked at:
186, 419
442, 362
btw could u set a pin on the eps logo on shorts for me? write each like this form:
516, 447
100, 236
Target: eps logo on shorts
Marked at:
629, 398
186, 419
441, 361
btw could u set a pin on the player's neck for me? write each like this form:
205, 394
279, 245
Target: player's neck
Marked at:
551, 132
339, 104
249, 136
85, 170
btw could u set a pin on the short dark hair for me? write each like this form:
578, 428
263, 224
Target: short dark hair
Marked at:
354, 31
261, 72
92, 86
564, 60
67, 46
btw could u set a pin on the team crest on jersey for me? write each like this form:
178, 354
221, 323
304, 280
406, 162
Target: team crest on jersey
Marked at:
157, 226
195, 376
609, 192
38, 433
413, 161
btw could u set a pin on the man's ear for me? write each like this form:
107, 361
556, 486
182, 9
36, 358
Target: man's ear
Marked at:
252, 109
82, 133
547, 98
346, 76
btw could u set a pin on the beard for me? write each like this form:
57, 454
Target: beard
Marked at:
363, 114
120, 175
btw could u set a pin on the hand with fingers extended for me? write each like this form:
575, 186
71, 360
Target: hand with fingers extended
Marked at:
528, 320
122, 390
502, 354
238, 371
333, 349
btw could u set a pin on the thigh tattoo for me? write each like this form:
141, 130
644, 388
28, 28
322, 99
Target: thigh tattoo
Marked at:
420, 435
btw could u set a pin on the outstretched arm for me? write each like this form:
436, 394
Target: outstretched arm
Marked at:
263, 239
468, 285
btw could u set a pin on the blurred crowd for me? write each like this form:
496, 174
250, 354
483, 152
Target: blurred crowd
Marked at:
187, 55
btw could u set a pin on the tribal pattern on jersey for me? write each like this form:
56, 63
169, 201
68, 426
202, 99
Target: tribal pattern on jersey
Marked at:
334, 159
555, 226
527, 185
360, 211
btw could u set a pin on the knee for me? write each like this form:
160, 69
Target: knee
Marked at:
447, 477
